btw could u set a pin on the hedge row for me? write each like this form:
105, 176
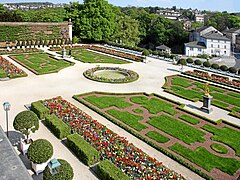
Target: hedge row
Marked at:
164, 151
108, 171
57, 126
84, 151
39, 109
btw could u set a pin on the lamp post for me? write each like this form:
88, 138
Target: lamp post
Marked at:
6, 107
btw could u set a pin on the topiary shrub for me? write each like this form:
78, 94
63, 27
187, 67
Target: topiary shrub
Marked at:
232, 70
223, 67
155, 53
38, 108
198, 62
206, 64
189, 60
26, 122
145, 52
182, 61
40, 151
65, 172
215, 66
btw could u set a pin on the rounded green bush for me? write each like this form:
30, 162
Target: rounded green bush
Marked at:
65, 172
145, 52
219, 148
40, 151
206, 64
215, 66
239, 71
223, 67
232, 70
26, 122
182, 61
198, 62
189, 60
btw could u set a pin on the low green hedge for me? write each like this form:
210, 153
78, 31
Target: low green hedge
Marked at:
57, 126
107, 171
39, 109
84, 151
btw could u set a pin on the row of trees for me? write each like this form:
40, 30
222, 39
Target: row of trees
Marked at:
43, 42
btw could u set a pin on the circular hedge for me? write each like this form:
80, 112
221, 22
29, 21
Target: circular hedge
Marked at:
232, 70
223, 67
219, 148
130, 76
198, 62
26, 122
206, 64
215, 66
182, 61
65, 172
189, 60
40, 151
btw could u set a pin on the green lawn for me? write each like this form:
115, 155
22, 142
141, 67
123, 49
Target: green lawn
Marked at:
128, 118
237, 109
138, 111
92, 57
3, 74
179, 81
157, 137
226, 98
225, 135
189, 119
219, 103
42, 63
177, 129
237, 95
154, 105
206, 160
108, 101
188, 94
219, 148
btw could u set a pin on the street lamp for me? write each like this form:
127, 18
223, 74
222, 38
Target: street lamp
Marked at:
6, 107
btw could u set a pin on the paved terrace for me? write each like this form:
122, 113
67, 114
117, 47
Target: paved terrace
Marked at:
70, 81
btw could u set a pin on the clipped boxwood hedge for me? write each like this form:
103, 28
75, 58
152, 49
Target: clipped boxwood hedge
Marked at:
57, 126
84, 151
107, 171
40, 109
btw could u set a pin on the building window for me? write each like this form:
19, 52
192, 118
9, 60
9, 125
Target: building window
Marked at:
199, 49
225, 47
211, 45
211, 51
218, 46
191, 49
218, 40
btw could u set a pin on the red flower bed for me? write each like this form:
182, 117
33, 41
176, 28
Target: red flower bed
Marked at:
213, 77
130, 159
10, 69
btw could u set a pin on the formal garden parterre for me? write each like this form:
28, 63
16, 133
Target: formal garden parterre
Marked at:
7, 69
106, 144
187, 138
193, 90
41, 63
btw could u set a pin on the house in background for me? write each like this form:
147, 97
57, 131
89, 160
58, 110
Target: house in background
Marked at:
208, 40
199, 18
237, 46
232, 33
164, 49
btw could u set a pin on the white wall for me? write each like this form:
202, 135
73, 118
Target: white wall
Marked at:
218, 47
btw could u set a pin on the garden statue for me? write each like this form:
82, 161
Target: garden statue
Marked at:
207, 100
207, 89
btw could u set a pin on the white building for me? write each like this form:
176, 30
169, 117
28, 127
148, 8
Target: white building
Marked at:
208, 41
199, 18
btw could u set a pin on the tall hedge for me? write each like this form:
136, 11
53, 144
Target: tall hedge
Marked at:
57, 126
65, 172
84, 151
40, 109
108, 171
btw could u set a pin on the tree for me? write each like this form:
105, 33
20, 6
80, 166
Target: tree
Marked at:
26, 122
93, 20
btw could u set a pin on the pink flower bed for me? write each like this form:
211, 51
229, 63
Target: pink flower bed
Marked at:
213, 77
10, 69
130, 159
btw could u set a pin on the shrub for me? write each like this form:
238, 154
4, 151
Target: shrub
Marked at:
107, 171
40, 151
145, 52
84, 151
206, 64
198, 62
38, 108
57, 126
189, 60
26, 122
223, 67
239, 71
65, 172
215, 66
155, 53
160, 54
182, 61
232, 70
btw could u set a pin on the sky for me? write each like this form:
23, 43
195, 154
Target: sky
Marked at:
213, 5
